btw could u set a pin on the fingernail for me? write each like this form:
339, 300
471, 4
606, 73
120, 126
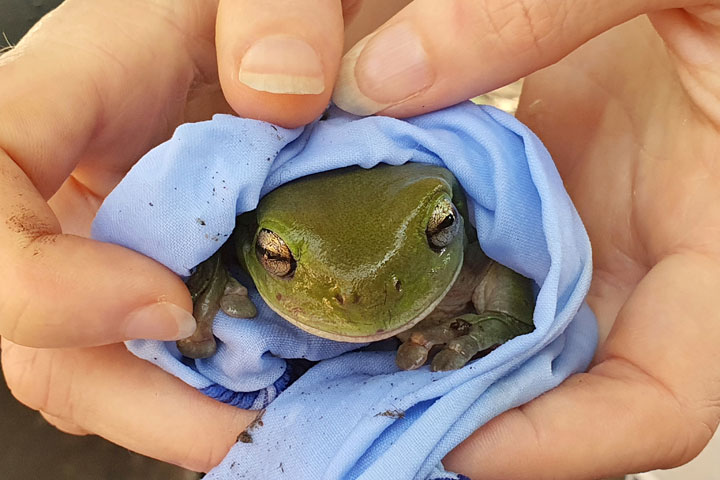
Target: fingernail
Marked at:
160, 321
282, 64
383, 70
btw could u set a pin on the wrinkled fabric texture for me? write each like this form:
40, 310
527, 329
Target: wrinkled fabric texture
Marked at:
353, 414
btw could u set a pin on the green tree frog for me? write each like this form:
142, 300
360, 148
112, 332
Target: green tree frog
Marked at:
360, 255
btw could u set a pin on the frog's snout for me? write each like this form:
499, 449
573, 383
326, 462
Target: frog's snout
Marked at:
352, 298
347, 298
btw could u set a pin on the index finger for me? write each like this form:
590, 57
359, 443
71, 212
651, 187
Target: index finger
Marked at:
73, 94
433, 54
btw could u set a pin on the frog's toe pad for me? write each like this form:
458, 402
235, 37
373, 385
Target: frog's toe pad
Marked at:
456, 354
448, 359
238, 306
411, 356
203, 348
235, 301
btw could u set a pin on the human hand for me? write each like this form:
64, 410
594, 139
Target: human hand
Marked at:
91, 89
633, 126
189, 80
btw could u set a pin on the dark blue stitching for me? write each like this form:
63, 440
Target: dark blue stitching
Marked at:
246, 400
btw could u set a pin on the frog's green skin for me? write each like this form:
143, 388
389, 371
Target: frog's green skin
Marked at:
360, 255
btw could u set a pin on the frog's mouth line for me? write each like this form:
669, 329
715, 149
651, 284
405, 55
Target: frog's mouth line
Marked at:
376, 336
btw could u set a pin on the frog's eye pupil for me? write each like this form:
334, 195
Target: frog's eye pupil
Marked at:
447, 221
443, 225
274, 254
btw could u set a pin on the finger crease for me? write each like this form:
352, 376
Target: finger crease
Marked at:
648, 377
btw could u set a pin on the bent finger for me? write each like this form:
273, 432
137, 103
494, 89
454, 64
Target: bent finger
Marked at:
84, 88
126, 400
435, 54
121, 94
66, 291
278, 60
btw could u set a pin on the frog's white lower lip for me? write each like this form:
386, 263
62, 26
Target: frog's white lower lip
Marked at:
374, 337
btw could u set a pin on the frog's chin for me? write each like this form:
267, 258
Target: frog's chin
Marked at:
375, 337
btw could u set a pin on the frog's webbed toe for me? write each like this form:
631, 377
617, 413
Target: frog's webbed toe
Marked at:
455, 354
448, 359
484, 331
213, 288
235, 300
504, 303
460, 340
413, 353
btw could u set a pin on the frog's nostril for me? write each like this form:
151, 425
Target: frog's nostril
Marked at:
398, 285
347, 298
340, 298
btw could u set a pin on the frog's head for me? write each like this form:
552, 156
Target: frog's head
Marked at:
358, 255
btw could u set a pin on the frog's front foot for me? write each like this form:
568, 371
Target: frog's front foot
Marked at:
235, 301
200, 344
461, 339
212, 288
413, 353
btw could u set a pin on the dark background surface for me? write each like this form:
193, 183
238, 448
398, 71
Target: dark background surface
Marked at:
17, 16
30, 449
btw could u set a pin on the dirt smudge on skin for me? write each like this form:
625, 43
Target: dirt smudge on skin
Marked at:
29, 225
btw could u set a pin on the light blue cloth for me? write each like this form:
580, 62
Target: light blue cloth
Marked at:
354, 415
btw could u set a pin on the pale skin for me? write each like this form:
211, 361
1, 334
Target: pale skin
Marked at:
633, 129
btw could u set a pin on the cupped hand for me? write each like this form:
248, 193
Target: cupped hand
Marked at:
632, 119
85, 94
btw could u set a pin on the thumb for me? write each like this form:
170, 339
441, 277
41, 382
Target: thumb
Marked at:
435, 54
278, 61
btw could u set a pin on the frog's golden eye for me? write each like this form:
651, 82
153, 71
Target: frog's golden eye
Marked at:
443, 226
274, 254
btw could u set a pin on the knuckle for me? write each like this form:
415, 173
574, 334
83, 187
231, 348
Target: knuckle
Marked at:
686, 444
30, 312
24, 379
15, 306
32, 377
702, 421
11, 313
516, 26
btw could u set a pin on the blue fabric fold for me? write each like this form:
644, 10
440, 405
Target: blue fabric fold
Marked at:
353, 414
